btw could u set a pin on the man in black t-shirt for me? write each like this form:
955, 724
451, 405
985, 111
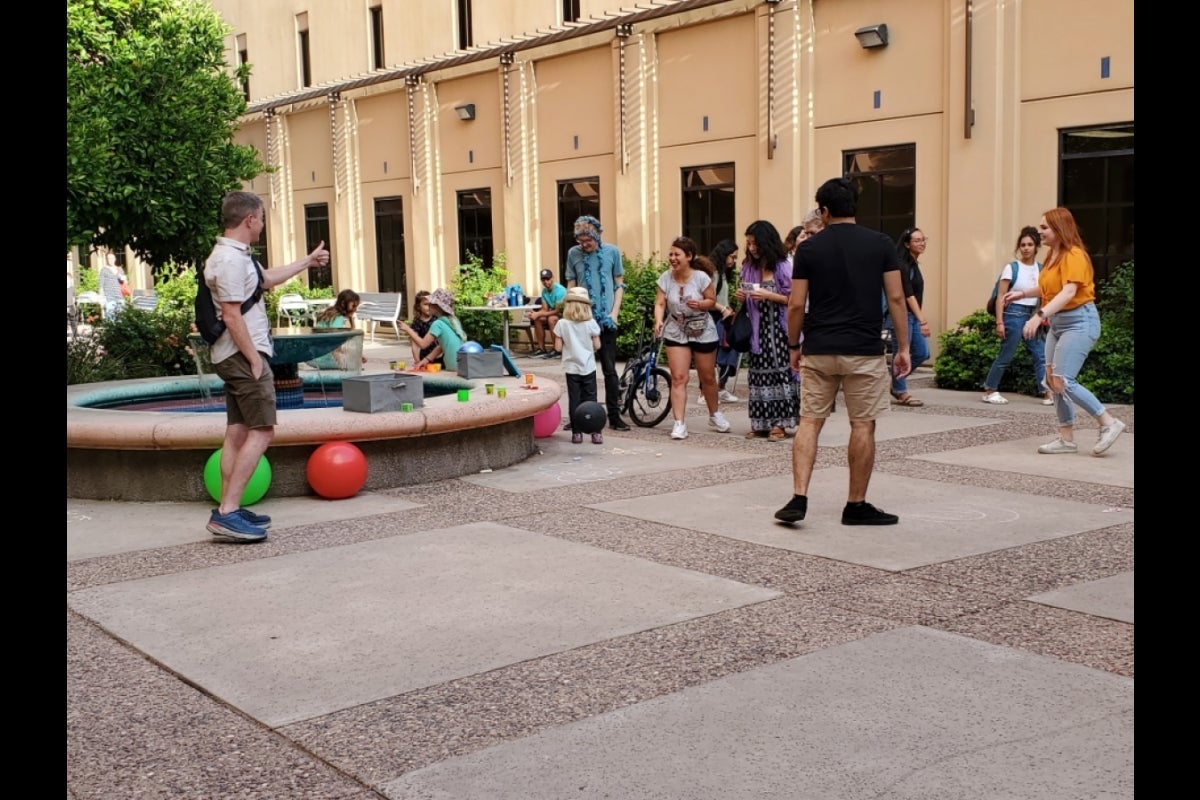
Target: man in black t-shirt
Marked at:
839, 274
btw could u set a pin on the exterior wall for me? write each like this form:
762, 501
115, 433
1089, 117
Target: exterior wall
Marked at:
785, 122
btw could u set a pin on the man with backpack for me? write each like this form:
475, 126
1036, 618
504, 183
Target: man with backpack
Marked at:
239, 357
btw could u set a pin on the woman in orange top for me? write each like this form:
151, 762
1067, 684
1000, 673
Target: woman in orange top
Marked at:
1068, 291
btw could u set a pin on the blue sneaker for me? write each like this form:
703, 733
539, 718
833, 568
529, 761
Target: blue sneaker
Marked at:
233, 527
259, 520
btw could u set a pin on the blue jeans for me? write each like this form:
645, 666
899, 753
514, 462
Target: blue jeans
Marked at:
918, 349
1015, 317
1072, 335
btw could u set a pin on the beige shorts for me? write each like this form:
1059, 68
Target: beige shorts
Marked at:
864, 381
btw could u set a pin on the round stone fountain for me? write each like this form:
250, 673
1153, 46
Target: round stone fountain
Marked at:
160, 455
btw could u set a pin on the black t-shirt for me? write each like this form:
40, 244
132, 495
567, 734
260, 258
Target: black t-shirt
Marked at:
844, 266
913, 280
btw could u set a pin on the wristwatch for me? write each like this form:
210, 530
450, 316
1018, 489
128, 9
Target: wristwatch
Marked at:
794, 346
1041, 313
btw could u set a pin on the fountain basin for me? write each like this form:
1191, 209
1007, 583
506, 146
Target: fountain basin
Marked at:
157, 456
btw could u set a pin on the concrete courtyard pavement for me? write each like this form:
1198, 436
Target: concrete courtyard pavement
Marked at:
628, 621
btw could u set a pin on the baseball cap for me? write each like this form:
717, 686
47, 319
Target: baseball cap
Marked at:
544, 274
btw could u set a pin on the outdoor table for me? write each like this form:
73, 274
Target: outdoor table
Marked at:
507, 319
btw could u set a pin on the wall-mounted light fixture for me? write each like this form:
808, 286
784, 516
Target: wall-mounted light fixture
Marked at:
465, 111
872, 36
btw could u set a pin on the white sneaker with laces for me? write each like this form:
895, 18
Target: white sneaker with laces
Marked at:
717, 420
995, 398
1108, 435
680, 430
727, 396
1058, 446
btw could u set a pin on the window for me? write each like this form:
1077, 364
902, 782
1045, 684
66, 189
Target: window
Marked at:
570, 9
305, 54
389, 244
316, 230
475, 225
886, 179
243, 56
708, 212
259, 248
1096, 184
465, 40
576, 198
377, 37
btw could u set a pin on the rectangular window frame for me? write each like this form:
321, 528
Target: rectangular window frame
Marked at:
888, 210
317, 230
1105, 221
475, 226
377, 57
708, 203
303, 50
570, 13
466, 38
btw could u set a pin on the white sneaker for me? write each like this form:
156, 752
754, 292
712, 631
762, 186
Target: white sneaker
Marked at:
1108, 435
727, 396
1059, 446
700, 400
680, 430
995, 398
717, 420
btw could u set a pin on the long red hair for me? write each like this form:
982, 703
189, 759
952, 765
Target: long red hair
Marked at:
1062, 222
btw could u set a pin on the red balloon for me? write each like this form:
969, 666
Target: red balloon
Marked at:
545, 422
337, 470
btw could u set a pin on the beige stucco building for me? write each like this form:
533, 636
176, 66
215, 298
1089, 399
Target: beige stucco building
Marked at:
406, 131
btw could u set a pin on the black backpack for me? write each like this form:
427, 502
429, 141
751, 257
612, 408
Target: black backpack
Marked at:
207, 323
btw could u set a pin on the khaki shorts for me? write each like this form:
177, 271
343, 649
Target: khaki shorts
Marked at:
864, 381
249, 401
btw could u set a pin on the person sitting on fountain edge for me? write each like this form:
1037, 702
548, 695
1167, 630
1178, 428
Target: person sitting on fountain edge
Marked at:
239, 358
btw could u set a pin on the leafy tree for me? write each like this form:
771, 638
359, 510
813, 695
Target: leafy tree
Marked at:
151, 114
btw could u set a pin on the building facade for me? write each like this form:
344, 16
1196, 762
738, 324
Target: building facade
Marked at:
409, 133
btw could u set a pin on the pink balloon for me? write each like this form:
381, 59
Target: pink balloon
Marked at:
545, 422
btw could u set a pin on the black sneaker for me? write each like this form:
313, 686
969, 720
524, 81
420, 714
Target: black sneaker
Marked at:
617, 425
537, 353
552, 354
866, 514
795, 510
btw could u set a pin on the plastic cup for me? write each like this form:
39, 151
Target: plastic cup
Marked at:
490, 388
464, 395
406, 406
394, 365
528, 378
501, 392
435, 367
400, 365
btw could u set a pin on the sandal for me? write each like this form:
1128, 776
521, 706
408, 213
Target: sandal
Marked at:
777, 435
906, 399
756, 434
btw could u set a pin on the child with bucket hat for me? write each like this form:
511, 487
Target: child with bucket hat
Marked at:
577, 338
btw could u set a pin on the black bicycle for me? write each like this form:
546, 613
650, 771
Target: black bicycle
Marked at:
645, 387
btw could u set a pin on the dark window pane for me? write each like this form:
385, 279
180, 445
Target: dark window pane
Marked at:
316, 230
576, 198
1097, 140
707, 199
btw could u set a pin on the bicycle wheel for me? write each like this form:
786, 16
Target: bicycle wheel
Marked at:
648, 408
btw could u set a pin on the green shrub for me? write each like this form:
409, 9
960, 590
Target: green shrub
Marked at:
148, 344
87, 362
472, 286
641, 282
88, 280
968, 350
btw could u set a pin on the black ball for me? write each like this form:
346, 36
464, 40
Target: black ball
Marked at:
589, 417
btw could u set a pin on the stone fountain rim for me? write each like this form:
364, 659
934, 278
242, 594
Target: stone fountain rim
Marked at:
110, 429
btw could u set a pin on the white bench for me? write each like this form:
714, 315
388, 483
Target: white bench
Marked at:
377, 307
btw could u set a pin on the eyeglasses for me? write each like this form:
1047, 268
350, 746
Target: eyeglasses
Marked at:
915, 240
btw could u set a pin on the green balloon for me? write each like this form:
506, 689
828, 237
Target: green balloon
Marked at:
256, 489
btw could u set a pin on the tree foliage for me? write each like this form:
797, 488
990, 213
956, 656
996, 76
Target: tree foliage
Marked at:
151, 114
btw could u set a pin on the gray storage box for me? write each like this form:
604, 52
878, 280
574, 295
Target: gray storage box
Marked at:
488, 364
372, 393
